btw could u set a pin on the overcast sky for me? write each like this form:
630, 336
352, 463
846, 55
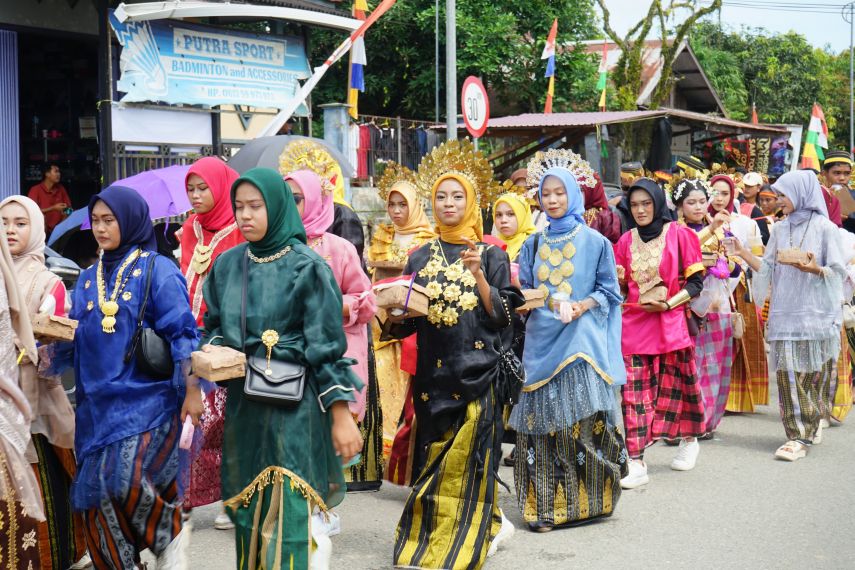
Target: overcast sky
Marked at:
820, 22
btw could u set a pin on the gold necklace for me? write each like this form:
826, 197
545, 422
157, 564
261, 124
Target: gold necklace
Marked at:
109, 308
269, 258
446, 300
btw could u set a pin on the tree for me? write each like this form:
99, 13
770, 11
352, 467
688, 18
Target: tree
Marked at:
627, 74
781, 73
500, 42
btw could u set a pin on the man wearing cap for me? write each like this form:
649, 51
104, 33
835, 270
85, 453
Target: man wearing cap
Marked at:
751, 184
836, 169
629, 173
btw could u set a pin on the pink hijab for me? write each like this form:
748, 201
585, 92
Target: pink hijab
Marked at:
320, 210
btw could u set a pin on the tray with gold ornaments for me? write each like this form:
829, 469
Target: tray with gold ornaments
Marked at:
401, 298
534, 298
218, 363
51, 328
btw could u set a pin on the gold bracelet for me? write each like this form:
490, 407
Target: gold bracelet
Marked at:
681, 298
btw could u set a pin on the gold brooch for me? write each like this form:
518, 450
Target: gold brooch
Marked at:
126, 296
87, 284
479, 345
439, 363
269, 338
137, 272
89, 305
425, 397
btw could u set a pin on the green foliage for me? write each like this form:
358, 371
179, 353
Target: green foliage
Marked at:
781, 73
500, 42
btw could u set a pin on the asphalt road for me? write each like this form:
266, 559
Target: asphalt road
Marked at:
739, 508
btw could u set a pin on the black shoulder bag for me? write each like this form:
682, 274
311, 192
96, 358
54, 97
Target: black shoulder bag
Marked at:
152, 353
273, 382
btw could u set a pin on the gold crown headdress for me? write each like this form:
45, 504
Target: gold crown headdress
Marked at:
686, 185
396, 174
309, 155
514, 192
459, 157
559, 158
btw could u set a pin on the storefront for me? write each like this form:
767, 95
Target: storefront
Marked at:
69, 96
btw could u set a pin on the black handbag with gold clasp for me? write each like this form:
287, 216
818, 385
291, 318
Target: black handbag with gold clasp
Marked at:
269, 381
152, 353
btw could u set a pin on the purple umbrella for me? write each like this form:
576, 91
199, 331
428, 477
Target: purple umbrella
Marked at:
162, 188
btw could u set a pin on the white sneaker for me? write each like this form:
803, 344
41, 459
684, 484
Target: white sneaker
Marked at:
85, 562
637, 475
321, 555
328, 524
687, 455
823, 423
175, 555
504, 533
817, 438
223, 522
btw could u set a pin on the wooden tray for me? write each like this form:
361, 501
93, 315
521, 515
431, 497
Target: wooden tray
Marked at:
793, 255
393, 298
50, 328
534, 298
220, 364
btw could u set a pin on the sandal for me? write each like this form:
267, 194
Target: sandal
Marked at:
509, 460
791, 451
540, 526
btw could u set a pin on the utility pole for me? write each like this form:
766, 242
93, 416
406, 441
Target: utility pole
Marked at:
451, 69
436, 60
848, 12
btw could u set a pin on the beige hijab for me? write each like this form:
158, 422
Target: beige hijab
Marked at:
17, 479
52, 414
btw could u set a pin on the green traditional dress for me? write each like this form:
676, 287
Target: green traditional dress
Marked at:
279, 464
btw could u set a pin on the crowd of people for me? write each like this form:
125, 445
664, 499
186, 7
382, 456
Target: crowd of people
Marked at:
582, 331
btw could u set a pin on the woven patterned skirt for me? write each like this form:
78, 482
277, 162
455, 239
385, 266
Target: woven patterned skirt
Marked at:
367, 475
713, 359
204, 486
61, 541
842, 402
749, 385
452, 513
573, 475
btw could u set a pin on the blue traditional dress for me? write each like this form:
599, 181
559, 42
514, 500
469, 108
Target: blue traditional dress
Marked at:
128, 423
570, 455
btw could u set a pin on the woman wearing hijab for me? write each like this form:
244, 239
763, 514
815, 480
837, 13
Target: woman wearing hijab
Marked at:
21, 508
714, 342
60, 543
129, 422
316, 209
749, 384
458, 386
207, 233
660, 268
803, 330
512, 217
388, 253
598, 215
570, 454
279, 463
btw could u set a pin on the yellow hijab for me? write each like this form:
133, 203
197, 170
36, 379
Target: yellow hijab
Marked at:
471, 226
417, 221
338, 189
525, 224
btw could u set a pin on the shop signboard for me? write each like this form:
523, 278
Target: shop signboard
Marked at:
179, 63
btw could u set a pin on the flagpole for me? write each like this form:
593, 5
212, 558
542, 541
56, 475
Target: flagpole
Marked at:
451, 69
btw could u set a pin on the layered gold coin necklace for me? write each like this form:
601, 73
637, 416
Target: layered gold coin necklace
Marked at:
110, 307
202, 253
556, 266
458, 293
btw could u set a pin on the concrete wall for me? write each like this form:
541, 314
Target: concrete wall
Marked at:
52, 15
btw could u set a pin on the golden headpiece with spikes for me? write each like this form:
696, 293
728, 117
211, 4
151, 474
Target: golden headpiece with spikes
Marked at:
459, 157
309, 155
559, 158
393, 175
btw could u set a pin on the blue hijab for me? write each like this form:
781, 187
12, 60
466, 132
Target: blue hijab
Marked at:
575, 201
132, 215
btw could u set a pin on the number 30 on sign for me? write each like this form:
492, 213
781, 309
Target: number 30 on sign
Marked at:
476, 106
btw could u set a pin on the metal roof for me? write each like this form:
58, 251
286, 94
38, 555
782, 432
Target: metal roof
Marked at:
529, 123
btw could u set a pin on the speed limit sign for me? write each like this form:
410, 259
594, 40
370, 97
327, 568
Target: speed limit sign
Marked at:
476, 106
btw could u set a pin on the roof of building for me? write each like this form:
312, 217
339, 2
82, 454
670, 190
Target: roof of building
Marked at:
693, 84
